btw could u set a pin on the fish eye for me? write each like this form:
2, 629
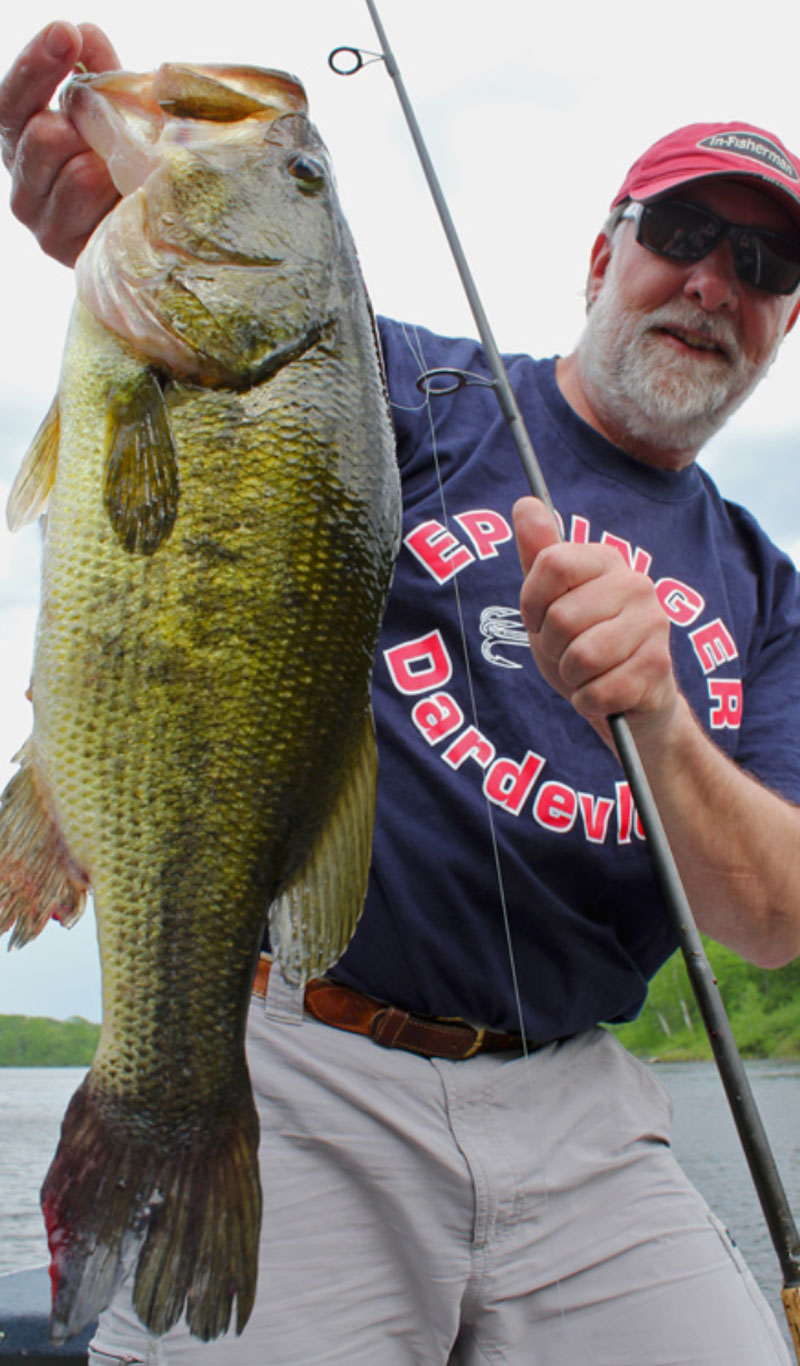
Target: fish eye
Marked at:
309, 172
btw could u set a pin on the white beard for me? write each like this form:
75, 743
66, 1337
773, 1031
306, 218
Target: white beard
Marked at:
651, 393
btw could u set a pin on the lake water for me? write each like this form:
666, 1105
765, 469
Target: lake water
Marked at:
32, 1103
33, 1100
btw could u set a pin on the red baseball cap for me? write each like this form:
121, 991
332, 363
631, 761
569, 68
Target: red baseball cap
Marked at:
700, 150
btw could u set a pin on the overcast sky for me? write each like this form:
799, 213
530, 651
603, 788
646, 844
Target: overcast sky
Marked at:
533, 114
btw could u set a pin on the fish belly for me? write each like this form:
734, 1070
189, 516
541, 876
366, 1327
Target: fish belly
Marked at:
198, 712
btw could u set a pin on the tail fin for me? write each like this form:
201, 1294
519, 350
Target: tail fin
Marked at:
186, 1213
38, 878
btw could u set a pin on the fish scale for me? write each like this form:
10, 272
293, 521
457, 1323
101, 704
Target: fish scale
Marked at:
222, 521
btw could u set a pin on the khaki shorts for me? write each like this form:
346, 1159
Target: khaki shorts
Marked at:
503, 1209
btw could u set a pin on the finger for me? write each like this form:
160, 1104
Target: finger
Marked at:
535, 529
641, 686
559, 571
612, 595
46, 144
63, 222
97, 50
32, 80
605, 645
569, 622
60, 189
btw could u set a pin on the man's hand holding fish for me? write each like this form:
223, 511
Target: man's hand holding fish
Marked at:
60, 187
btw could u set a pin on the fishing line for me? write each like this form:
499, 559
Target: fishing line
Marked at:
461, 378
416, 350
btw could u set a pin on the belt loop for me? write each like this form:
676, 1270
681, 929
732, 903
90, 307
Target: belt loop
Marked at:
284, 1000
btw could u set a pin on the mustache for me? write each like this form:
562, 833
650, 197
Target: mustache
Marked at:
720, 331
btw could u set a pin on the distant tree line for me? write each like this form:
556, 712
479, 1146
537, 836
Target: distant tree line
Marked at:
763, 1006
30, 1041
764, 1009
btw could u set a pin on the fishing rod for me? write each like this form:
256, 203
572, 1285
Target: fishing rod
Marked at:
752, 1135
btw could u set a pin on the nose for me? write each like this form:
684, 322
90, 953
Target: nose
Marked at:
712, 281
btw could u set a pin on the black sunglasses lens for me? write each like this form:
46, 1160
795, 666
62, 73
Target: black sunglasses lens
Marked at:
682, 232
687, 232
768, 262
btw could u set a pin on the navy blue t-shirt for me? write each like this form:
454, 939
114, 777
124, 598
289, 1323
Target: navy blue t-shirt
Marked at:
491, 788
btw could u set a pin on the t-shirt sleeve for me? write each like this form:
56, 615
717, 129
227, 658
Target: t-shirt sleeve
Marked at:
769, 746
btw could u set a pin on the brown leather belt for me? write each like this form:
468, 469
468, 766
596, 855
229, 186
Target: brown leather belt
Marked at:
344, 1008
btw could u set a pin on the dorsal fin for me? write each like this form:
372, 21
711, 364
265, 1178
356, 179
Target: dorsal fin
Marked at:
31, 488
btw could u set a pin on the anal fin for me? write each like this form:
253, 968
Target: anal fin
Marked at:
38, 879
313, 919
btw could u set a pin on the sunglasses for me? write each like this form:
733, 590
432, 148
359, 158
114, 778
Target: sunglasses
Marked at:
687, 232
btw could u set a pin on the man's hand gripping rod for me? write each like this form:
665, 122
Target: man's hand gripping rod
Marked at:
755, 1143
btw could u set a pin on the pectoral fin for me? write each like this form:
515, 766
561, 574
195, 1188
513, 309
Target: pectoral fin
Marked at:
31, 488
38, 879
312, 921
142, 483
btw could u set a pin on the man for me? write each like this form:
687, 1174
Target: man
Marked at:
457, 1196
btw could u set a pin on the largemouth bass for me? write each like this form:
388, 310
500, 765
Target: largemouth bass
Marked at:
222, 515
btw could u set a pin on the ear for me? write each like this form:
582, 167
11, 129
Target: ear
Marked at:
792, 318
598, 265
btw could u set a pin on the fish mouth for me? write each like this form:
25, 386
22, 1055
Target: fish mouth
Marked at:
121, 114
225, 94
215, 93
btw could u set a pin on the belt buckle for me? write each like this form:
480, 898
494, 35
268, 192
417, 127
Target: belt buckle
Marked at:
477, 1042
480, 1032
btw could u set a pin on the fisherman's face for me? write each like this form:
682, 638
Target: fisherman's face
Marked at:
672, 348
